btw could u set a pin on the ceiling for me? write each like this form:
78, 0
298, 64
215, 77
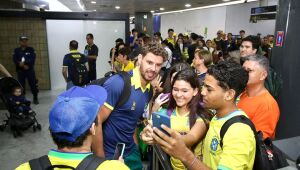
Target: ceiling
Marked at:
132, 6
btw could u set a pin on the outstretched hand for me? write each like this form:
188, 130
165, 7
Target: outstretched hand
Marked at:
173, 145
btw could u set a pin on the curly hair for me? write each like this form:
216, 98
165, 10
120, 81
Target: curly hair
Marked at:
156, 49
194, 106
230, 75
61, 143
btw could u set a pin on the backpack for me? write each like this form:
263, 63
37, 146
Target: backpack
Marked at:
267, 156
273, 83
79, 76
90, 162
126, 88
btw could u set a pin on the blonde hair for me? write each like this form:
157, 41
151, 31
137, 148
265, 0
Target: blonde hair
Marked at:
205, 55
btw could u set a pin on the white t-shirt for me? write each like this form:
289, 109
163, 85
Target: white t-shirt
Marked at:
167, 63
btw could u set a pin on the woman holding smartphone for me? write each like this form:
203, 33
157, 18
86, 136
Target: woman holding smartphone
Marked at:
187, 116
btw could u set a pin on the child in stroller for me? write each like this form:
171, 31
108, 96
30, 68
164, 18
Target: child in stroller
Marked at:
20, 103
21, 116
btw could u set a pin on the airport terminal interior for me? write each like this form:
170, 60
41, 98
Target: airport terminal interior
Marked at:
129, 66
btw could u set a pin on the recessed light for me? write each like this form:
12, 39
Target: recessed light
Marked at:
152, 11
117, 7
93, 2
187, 5
161, 9
95, 10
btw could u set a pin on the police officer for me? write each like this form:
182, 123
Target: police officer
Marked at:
24, 58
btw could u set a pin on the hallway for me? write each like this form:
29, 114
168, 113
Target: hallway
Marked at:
15, 151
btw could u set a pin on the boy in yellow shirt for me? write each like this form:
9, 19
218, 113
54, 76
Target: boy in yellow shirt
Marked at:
127, 65
223, 83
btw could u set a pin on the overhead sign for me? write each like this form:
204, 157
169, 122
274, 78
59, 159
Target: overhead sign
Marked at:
263, 13
279, 38
264, 9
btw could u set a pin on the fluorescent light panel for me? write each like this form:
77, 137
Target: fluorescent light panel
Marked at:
204, 7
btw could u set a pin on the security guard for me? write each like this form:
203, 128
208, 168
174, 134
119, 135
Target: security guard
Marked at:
24, 58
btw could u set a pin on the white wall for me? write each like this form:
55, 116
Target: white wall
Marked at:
195, 21
61, 32
231, 18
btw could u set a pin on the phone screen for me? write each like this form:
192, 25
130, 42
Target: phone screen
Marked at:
119, 150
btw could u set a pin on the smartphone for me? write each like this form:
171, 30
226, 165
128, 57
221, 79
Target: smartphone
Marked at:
120, 147
166, 94
158, 119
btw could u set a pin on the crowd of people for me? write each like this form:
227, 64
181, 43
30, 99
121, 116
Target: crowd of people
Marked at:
199, 84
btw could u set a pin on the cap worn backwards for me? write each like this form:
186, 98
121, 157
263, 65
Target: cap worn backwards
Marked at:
75, 110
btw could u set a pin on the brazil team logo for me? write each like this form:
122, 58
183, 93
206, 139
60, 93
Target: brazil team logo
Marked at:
214, 144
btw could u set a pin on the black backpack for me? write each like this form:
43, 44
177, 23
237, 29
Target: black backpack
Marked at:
126, 88
267, 156
79, 76
90, 162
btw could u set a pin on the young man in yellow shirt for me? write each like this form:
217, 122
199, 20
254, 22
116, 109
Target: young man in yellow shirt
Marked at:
123, 58
72, 124
223, 83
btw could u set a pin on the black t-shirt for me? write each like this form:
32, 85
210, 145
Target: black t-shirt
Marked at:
91, 50
191, 52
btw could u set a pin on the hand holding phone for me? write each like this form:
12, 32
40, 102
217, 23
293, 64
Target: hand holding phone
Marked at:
120, 147
158, 119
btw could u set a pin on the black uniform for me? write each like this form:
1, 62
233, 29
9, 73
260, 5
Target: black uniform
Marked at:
27, 56
91, 50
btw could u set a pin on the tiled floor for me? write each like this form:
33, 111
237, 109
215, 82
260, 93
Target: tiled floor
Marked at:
15, 151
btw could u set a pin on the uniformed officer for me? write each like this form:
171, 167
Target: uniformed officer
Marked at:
24, 58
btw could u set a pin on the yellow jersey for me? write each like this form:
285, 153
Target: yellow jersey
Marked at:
73, 160
239, 145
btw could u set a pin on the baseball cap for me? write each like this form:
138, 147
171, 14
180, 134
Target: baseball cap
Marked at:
75, 110
23, 38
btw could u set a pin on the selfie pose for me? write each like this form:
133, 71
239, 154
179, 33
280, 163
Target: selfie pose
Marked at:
186, 115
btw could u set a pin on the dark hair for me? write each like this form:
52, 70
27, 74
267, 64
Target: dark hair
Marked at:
254, 40
134, 30
90, 35
154, 48
124, 51
61, 143
119, 40
170, 46
242, 31
141, 35
15, 88
194, 36
157, 33
170, 29
194, 106
230, 75
175, 68
73, 45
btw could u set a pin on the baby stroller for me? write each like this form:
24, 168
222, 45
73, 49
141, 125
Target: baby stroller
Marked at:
16, 121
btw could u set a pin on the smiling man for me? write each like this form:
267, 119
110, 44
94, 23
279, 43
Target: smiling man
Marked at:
119, 123
223, 83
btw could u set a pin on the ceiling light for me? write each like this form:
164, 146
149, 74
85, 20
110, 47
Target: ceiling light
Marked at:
225, 0
93, 2
187, 5
205, 7
152, 11
161, 9
117, 7
95, 10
